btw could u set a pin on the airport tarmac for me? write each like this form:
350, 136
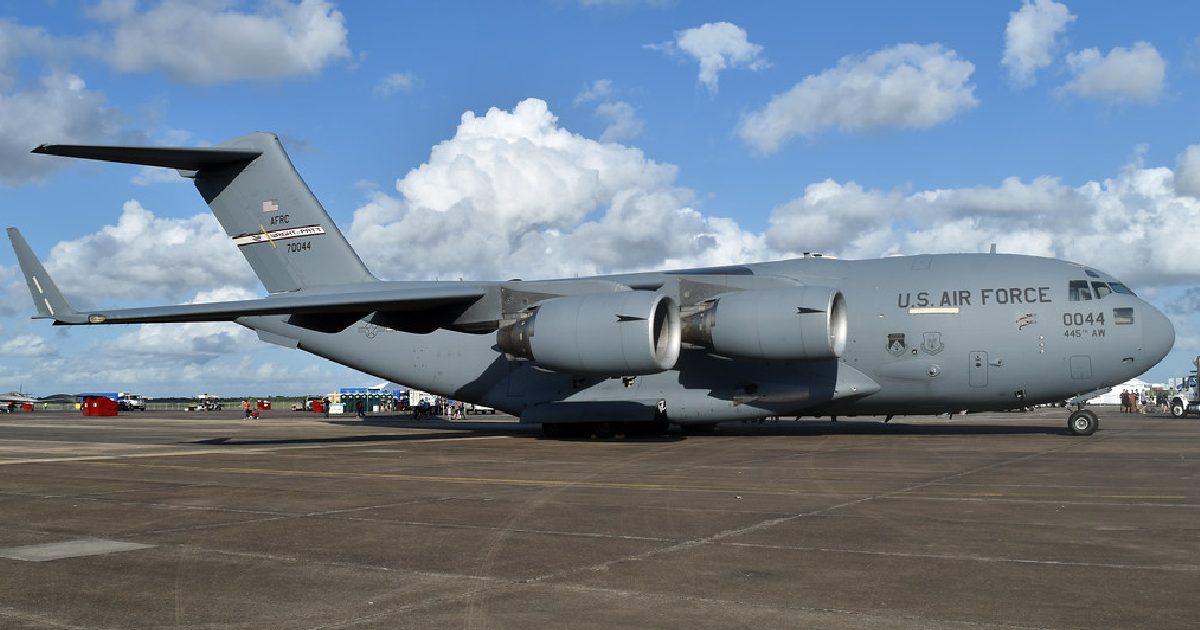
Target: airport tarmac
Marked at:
186, 520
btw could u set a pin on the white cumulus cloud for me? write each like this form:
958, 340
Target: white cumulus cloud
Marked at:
1127, 224
716, 46
1032, 36
210, 41
57, 109
395, 82
597, 90
623, 122
907, 85
1123, 74
196, 341
1187, 172
16, 42
512, 194
14, 293
145, 256
827, 216
28, 346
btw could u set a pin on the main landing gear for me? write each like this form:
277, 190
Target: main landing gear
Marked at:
605, 430
1083, 422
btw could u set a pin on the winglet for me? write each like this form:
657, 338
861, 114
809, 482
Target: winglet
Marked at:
47, 299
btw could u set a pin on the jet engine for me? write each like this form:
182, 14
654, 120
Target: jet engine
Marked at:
625, 333
793, 323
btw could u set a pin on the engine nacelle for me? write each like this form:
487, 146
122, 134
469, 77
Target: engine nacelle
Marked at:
791, 323
625, 333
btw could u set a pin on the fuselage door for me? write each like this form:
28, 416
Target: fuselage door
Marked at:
978, 368
1081, 367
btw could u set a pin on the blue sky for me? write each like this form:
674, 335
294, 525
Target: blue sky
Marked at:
526, 139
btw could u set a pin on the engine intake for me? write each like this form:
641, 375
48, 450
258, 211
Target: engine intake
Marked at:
792, 323
624, 333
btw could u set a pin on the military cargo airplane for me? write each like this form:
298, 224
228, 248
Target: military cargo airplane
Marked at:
813, 336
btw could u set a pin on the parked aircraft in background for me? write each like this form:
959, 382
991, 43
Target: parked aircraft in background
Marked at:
812, 336
15, 399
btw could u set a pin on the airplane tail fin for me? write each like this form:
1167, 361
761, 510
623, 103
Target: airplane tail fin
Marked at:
48, 300
258, 197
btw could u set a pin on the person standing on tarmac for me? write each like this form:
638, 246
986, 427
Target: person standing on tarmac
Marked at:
246, 408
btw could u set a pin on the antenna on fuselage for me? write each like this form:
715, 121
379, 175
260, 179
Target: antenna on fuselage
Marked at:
993, 249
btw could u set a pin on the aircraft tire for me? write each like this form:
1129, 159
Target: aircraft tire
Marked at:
1083, 422
652, 428
1178, 409
553, 430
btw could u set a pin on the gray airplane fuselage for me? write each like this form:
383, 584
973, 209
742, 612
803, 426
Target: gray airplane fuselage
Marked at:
930, 334
810, 336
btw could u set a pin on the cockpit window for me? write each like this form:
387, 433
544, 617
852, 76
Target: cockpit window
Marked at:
1117, 287
1079, 290
1091, 274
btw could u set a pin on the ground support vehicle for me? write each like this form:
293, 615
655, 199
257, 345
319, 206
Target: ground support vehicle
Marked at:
1186, 400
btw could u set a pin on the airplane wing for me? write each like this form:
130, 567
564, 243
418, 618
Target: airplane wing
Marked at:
413, 299
51, 304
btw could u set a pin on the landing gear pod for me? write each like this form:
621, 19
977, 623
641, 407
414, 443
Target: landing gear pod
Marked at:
610, 334
793, 323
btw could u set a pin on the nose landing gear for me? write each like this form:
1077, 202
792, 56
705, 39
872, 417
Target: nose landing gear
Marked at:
1083, 422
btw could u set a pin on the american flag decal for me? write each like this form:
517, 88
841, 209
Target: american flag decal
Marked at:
270, 205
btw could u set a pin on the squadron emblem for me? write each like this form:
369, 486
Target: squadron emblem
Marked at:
932, 342
895, 344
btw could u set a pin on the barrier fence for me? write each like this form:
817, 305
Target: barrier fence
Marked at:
152, 405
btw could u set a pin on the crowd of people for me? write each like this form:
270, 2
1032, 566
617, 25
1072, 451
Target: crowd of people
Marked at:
452, 409
1131, 402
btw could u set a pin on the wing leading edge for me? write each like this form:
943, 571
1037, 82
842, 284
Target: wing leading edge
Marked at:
326, 303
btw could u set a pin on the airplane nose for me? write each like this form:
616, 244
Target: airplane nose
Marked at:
1158, 335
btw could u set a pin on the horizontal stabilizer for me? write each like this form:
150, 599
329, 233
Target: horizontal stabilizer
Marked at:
182, 158
47, 299
260, 200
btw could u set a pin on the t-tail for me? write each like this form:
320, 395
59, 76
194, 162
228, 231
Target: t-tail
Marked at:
261, 201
